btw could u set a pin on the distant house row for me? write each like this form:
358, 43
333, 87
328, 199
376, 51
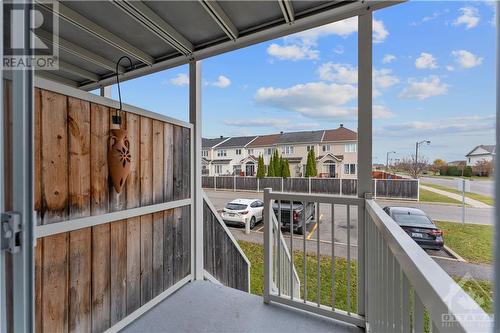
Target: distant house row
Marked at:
335, 150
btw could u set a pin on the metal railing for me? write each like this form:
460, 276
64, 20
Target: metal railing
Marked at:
275, 282
405, 283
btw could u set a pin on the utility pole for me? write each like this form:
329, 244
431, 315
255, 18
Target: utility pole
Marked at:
387, 160
417, 145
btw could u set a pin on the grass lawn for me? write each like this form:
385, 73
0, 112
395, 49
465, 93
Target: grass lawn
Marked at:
479, 290
453, 177
428, 196
474, 242
479, 197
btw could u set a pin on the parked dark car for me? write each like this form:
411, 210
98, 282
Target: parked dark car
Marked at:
298, 215
418, 226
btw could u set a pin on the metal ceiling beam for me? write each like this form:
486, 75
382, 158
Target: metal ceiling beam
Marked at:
220, 17
92, 28
78, 51
139, 11
287, 10
54, 77
261, 35
78, 71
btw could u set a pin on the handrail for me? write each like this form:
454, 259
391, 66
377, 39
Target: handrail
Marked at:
226, 229
433, 284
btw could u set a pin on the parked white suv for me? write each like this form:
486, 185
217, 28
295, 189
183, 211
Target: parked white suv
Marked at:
241, 211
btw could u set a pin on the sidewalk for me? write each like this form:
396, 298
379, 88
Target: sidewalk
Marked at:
468, 201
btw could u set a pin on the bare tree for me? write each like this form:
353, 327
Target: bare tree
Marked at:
483, 168
414, 169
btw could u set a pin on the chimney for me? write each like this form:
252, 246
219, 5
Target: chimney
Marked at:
222, 137
341, 125
281, 132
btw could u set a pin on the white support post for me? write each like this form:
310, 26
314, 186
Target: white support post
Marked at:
258, 185
418, 189
364, 141
215, 182
234, 183
340, 192
497, 184
375, 189
281, 184
309, 185
196, 168
268, 248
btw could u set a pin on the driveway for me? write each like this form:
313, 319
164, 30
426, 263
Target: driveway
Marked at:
484, 187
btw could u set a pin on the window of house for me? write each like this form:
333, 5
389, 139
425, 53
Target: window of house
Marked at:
350, 148
350, 169
268, 151
238, 151
218, 169
250, 151
236, 169
204, 153
221, 153
287, 150
326, 148
309, 148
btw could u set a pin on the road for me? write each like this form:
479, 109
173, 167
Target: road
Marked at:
484, 187
444, 212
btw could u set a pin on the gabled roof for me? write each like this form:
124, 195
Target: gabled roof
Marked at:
491, 149
264, 141
340, 134
300, 137
210, 143
237, 142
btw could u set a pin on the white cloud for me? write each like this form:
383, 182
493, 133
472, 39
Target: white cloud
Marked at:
426, 61
424, 88
466, 59
339, 49
180, 80
458, 125
450, 68
469, 17
388, 58
313, 99
222, 82
292, 52
381, 112
346, 73
341, 73
277, 123
342, 28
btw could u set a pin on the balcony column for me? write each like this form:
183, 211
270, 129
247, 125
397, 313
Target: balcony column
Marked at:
364, 140
496, 166
196, 169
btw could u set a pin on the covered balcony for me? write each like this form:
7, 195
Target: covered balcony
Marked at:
150, 253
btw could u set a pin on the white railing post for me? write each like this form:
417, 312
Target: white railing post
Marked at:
258, 185
418, 189
281, 184
234, 183
341, 181
268, 241
375, 189
215, 182
309, 185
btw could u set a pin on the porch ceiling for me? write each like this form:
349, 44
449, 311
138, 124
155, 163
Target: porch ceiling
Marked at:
158, 35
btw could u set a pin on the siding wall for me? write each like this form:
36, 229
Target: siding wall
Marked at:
88, 279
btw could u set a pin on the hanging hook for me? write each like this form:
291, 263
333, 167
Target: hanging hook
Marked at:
117, 119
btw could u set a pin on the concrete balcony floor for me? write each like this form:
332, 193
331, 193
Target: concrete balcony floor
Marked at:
206, 307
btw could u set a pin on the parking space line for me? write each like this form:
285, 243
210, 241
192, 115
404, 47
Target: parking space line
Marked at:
312, 230
260, 229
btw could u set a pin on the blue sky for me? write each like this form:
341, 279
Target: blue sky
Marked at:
434, 79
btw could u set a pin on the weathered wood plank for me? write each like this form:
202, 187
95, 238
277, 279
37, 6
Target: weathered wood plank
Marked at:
37, 186
133, 264
158, 160
79, 157
133, 186
178, 243
99, 133
168, 248
101, 307
146, 258
186, 241
158, 253
54, 158
168, 146
55, 284
177, 171
186, 163
38, 285
80, 242
117, 201
118, 271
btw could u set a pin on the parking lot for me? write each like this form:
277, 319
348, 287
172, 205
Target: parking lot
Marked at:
315, 231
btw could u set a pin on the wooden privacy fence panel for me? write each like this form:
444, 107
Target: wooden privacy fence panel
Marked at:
385, 188
88, 279
221, 256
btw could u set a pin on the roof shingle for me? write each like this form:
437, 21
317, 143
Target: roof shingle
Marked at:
340, 134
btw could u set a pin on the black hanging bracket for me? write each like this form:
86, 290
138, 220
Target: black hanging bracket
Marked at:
117, 119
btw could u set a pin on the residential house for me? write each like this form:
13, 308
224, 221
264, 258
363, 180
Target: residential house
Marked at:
480, 153
335, 151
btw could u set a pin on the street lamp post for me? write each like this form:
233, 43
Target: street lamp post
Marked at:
387, 160
417, 145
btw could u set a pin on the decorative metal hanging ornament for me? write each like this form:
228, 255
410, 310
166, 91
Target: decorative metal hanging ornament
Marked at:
119, 158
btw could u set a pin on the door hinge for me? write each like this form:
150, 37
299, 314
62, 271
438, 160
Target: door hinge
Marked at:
10, 239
